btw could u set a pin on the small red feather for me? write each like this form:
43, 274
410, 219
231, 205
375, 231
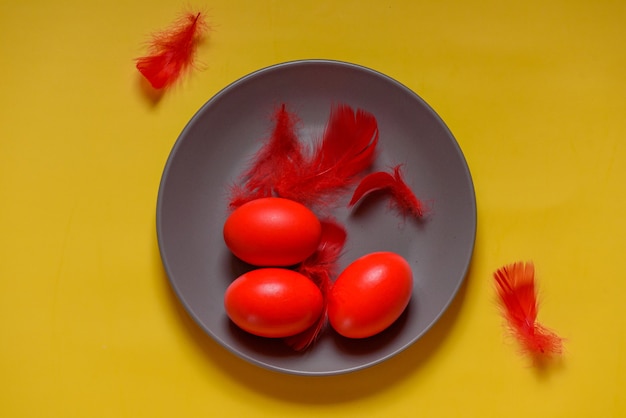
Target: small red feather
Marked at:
347, 148
278, 157
402, 195
320, 267
171, 52
515, 285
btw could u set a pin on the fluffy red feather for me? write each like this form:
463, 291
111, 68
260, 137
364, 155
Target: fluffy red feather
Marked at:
515, 285
171, 52
316, 178
402, 195
321, 267
347, 148
278, 157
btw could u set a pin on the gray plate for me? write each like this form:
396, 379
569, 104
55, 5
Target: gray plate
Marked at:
218, 142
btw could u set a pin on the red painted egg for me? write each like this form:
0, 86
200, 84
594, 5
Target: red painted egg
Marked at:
370, 294
272, 231
273, 302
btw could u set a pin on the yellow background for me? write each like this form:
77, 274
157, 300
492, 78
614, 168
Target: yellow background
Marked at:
534, 92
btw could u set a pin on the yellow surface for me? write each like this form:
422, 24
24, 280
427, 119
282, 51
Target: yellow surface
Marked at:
535, 93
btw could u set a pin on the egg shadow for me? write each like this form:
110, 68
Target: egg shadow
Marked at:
234, 267
366, 346
318, 390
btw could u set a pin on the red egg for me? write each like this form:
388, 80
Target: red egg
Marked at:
272, 232
370, 295
273, 302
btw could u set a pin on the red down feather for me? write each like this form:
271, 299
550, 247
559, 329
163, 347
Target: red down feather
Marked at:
515, 285
321, 268
402, 196
171, 52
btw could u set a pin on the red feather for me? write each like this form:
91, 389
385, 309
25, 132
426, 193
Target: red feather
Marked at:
172, 51
282, 168
278, 158
347, 148
402, 195
515, 284
321, 267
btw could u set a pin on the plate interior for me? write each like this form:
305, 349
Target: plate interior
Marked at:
216, 146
